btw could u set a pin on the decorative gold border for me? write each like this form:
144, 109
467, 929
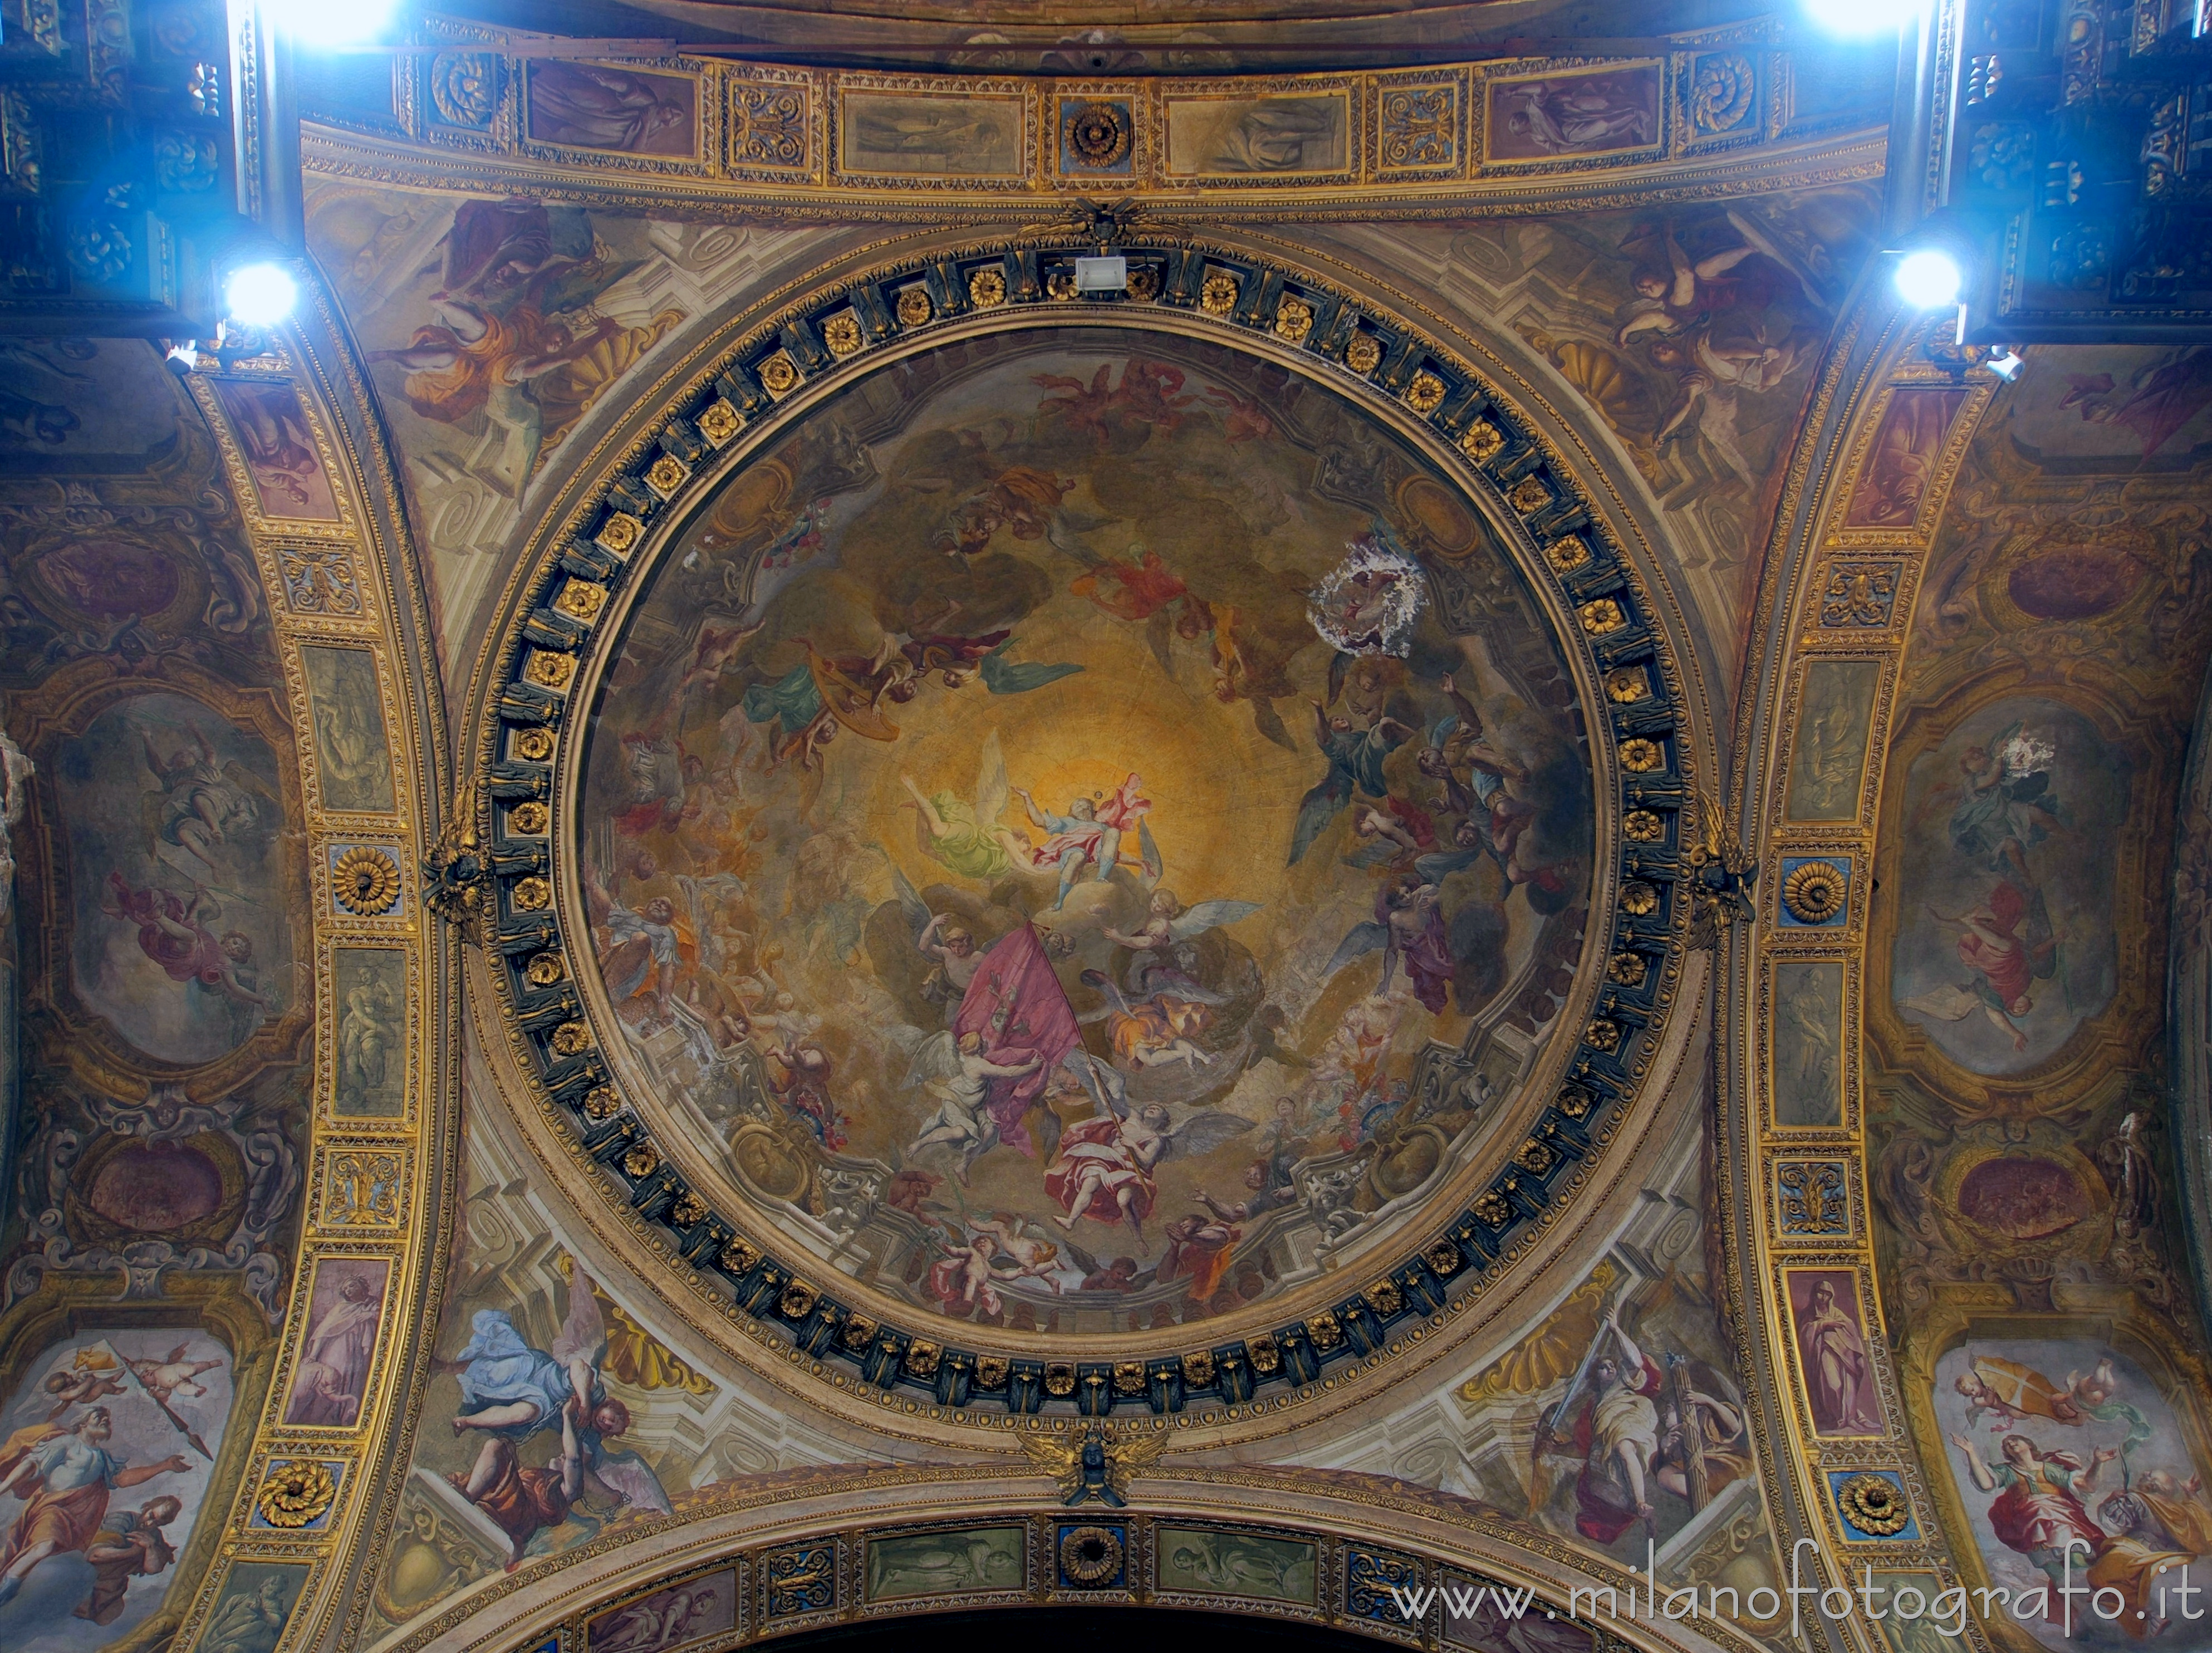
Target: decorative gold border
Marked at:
1530, 452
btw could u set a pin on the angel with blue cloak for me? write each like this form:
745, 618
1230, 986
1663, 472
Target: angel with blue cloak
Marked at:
1355, 766
511, 1391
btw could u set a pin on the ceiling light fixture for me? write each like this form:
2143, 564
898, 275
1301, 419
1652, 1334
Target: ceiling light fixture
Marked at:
260, 295
1862, 17
322, 23
1929, 278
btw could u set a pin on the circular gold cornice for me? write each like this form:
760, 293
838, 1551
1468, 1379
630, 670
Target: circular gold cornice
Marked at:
548, 655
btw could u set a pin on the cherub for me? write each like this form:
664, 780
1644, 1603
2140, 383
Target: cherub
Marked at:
1152, 1031
91, 1377
175, 1378
1032, 1255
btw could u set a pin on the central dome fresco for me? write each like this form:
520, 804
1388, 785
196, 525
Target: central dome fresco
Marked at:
1047, 805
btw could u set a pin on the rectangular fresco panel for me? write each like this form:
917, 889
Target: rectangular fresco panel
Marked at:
954, 137
1553, 116
257, 1601
278, 449
90, 1409
1918, 1615
173, 819
370, 984
1833, 1352
1808, 1034
669, 1619
1259, 136
1902, 463
2048, 1439
939, 1564
2005, 939
598, 106
330, 1383
1827, 767
353, 755
1198, 1561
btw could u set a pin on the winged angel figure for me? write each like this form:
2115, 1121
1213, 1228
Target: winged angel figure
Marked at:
1103, 1167
1095, 1465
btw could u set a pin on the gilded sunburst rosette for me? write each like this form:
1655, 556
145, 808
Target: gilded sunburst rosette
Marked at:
1603, 1035
533, 745
914, 307
1530, 496
689, 1211
601, 1103
778, 375
1061, 285
841, 333
1643, 826
1491, 1208
530, 818
531, 894
365, 881
986, 288
666, 475
1639, 900
1362, 352
545, 970
1813, 893
297, 1492
1641, 756
1090, 1556
1144, 282
718, 421
1097, 135
1294, 320
1567, 553
570, 1039
1875, 1505
1627, 968
643, 1160
1625, 684
1425, 393
1217, 295
1601, 615
1481, 441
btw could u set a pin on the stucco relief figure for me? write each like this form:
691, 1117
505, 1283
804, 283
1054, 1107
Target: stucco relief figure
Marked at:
279, 449
1839, 1368
598, 107
332, 1379
1575, 114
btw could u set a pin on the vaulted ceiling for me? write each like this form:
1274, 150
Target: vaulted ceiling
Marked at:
930, 808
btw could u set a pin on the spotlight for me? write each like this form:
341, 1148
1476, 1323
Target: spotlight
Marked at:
1862, 17
260, 295
1929, 279
321, 22
2006, 362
